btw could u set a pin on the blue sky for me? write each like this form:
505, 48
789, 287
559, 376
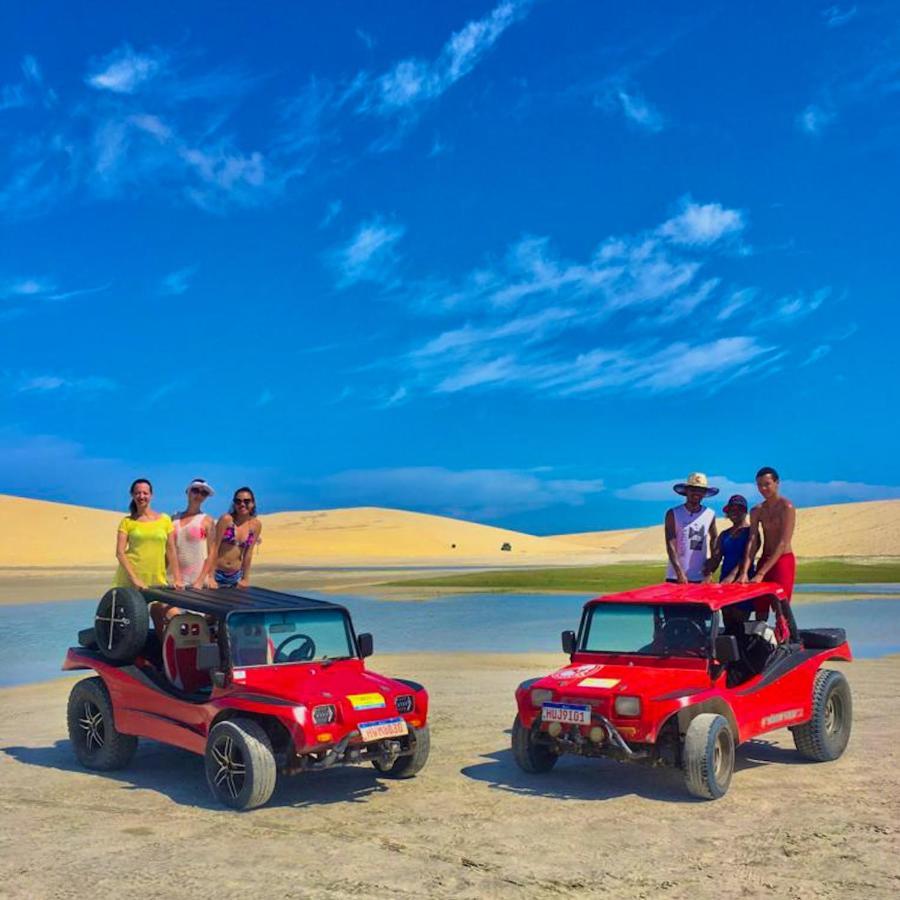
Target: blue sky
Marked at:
527, 263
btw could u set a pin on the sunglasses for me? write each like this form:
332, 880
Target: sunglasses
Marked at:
242, 501
196, 490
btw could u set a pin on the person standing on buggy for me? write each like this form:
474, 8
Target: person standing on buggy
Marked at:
690, 530
237, 534
728, 550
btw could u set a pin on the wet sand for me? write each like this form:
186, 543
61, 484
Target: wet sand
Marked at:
471, 825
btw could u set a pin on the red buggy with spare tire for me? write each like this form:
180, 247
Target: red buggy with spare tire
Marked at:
257, 681
678, 675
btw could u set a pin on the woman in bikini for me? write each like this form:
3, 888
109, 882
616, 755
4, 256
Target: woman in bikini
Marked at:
144, 541
237, 534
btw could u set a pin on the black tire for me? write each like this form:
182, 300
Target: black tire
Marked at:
95, 740
240, 765
529, 756
121, 624
408, 766
824, 737
708, 756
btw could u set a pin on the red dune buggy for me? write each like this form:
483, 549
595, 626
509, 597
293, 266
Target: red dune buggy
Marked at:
678, 675
258, 682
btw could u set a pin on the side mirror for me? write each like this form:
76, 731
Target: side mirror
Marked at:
208, 657
366, 644
568, 642
726, 648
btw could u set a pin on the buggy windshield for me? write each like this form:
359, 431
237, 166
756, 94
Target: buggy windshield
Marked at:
660, 629
273, 638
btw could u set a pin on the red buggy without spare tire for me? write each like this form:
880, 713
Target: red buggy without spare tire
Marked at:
671, 674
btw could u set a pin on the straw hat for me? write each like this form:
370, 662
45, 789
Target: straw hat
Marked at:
695, 480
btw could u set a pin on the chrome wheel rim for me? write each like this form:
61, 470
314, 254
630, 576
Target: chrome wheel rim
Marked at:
91, 725
833, 715
722, 754
230, 768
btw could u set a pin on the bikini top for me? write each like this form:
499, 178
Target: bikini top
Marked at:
230, 537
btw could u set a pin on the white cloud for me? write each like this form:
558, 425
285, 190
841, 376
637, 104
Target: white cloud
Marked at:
702, 224
177, 282
817, 353
802, 493
124, 71
369, 255
413, 82
28, 287
639, 111
814, 119
737, 301
469, 493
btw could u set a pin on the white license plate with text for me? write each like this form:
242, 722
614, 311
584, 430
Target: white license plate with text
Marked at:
566, 713
383, 728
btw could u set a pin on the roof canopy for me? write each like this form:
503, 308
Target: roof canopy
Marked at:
715, 596
225, 600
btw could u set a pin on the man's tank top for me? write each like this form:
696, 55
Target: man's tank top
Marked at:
692, 540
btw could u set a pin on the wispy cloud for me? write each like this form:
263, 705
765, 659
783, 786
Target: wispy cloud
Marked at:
367, 39
803, 493
370, 255
332, 211
641, 112
27, 287
46, 383
817, 353
835, 16
814, 119
467, 493
125, 71
177, 282
537, 322
413, 82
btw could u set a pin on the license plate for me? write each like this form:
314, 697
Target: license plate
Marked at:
566, 713
384, 728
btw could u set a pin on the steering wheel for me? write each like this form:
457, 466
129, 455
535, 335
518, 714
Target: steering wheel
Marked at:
683, 634
306, 650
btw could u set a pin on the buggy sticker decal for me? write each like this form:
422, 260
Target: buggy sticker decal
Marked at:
787, 716
366, 701
239, 675
599, 682
573, 672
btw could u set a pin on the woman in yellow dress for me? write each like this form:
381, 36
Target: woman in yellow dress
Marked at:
144, 541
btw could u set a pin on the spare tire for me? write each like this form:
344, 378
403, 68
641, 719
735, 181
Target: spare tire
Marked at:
822, 638
121, 624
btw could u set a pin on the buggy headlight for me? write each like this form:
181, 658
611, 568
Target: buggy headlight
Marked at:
628, 706
324, 714
540, 696
405, 703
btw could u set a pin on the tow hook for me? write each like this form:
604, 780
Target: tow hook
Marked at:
388, 752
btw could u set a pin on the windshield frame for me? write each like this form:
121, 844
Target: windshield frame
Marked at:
348, 626
588, 612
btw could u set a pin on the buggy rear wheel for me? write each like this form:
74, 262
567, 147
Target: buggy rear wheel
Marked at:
530, 756
824, 737
92, 732
407, 766
240, 765
708, 756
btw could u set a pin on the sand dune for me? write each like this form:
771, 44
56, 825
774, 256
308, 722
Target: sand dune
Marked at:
42, 534
371, 535
844, 529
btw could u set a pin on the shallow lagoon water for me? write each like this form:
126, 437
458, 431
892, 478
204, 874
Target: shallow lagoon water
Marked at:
34, 637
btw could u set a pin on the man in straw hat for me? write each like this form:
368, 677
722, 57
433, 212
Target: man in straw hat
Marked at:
690, 531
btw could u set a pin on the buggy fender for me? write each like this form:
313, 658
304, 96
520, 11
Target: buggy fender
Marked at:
716, 705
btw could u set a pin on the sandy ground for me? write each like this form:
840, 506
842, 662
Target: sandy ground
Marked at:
470, 825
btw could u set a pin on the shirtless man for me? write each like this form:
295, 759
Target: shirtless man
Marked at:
776, 515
